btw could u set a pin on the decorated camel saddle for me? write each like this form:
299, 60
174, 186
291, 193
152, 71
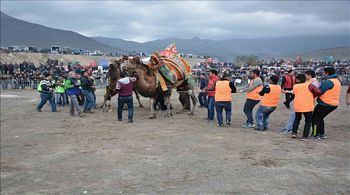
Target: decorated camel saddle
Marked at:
170, 68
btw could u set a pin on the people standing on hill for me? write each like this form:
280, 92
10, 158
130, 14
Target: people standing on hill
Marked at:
72, 90
269, 102
46, 93
223, 99
328, 101
287, 84
213, 78
253, 88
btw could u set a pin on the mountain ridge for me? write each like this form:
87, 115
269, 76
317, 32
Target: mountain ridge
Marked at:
23, 33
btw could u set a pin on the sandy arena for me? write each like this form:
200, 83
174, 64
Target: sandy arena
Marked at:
54, 153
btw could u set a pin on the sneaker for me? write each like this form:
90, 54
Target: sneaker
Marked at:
219, 125
283, 130
38, 110
259, 129
228, 122
304, 138
251, 125
294, 135
246, 126
131, 121
81, 114
287, 106
119, 119
323, 136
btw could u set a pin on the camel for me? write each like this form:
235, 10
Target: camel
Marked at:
147, 86
114, 75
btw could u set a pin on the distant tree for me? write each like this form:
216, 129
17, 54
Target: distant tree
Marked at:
251, 60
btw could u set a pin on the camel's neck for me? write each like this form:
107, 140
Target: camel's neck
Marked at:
146, 84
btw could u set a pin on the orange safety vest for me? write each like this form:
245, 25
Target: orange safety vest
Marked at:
332, 96
272, 99
223, 91
254, 95
304, 100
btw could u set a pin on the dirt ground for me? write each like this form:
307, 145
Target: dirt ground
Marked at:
55, 153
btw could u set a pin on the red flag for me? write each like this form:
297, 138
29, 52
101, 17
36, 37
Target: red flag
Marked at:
169, 51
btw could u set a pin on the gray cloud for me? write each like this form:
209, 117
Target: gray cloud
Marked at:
144, 21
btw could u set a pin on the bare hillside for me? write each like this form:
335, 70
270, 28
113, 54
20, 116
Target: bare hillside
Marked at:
38, 58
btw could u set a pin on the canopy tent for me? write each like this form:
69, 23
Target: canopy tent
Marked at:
330, 59
103, 63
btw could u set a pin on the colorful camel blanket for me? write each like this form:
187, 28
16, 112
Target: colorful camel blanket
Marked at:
175, 65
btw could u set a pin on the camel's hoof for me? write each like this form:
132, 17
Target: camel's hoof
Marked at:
180, 112
152, 116
190, 114
141, 106
169, 115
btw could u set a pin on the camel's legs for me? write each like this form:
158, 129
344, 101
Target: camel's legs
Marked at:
109, 106
167, 103
194, 101
103, 106
138, 99
153, 114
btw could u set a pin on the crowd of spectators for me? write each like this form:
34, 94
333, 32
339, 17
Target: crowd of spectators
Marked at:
279, 68
26, 75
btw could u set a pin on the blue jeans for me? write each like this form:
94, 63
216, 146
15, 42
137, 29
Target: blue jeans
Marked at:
262, 116
219, 109
289, 126
44, 97
94, 103
202, 97
60, 98
88, 100
74, 104
248, 110
211, 106
129, 102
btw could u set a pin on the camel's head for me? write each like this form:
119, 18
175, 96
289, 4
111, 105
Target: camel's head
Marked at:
130, 64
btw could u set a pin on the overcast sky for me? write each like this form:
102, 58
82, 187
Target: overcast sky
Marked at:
144, 21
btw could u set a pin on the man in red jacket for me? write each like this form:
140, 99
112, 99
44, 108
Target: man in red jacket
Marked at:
213, 77
288, 81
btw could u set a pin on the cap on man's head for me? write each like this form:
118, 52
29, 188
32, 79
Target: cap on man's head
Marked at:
214, 71
225, 75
